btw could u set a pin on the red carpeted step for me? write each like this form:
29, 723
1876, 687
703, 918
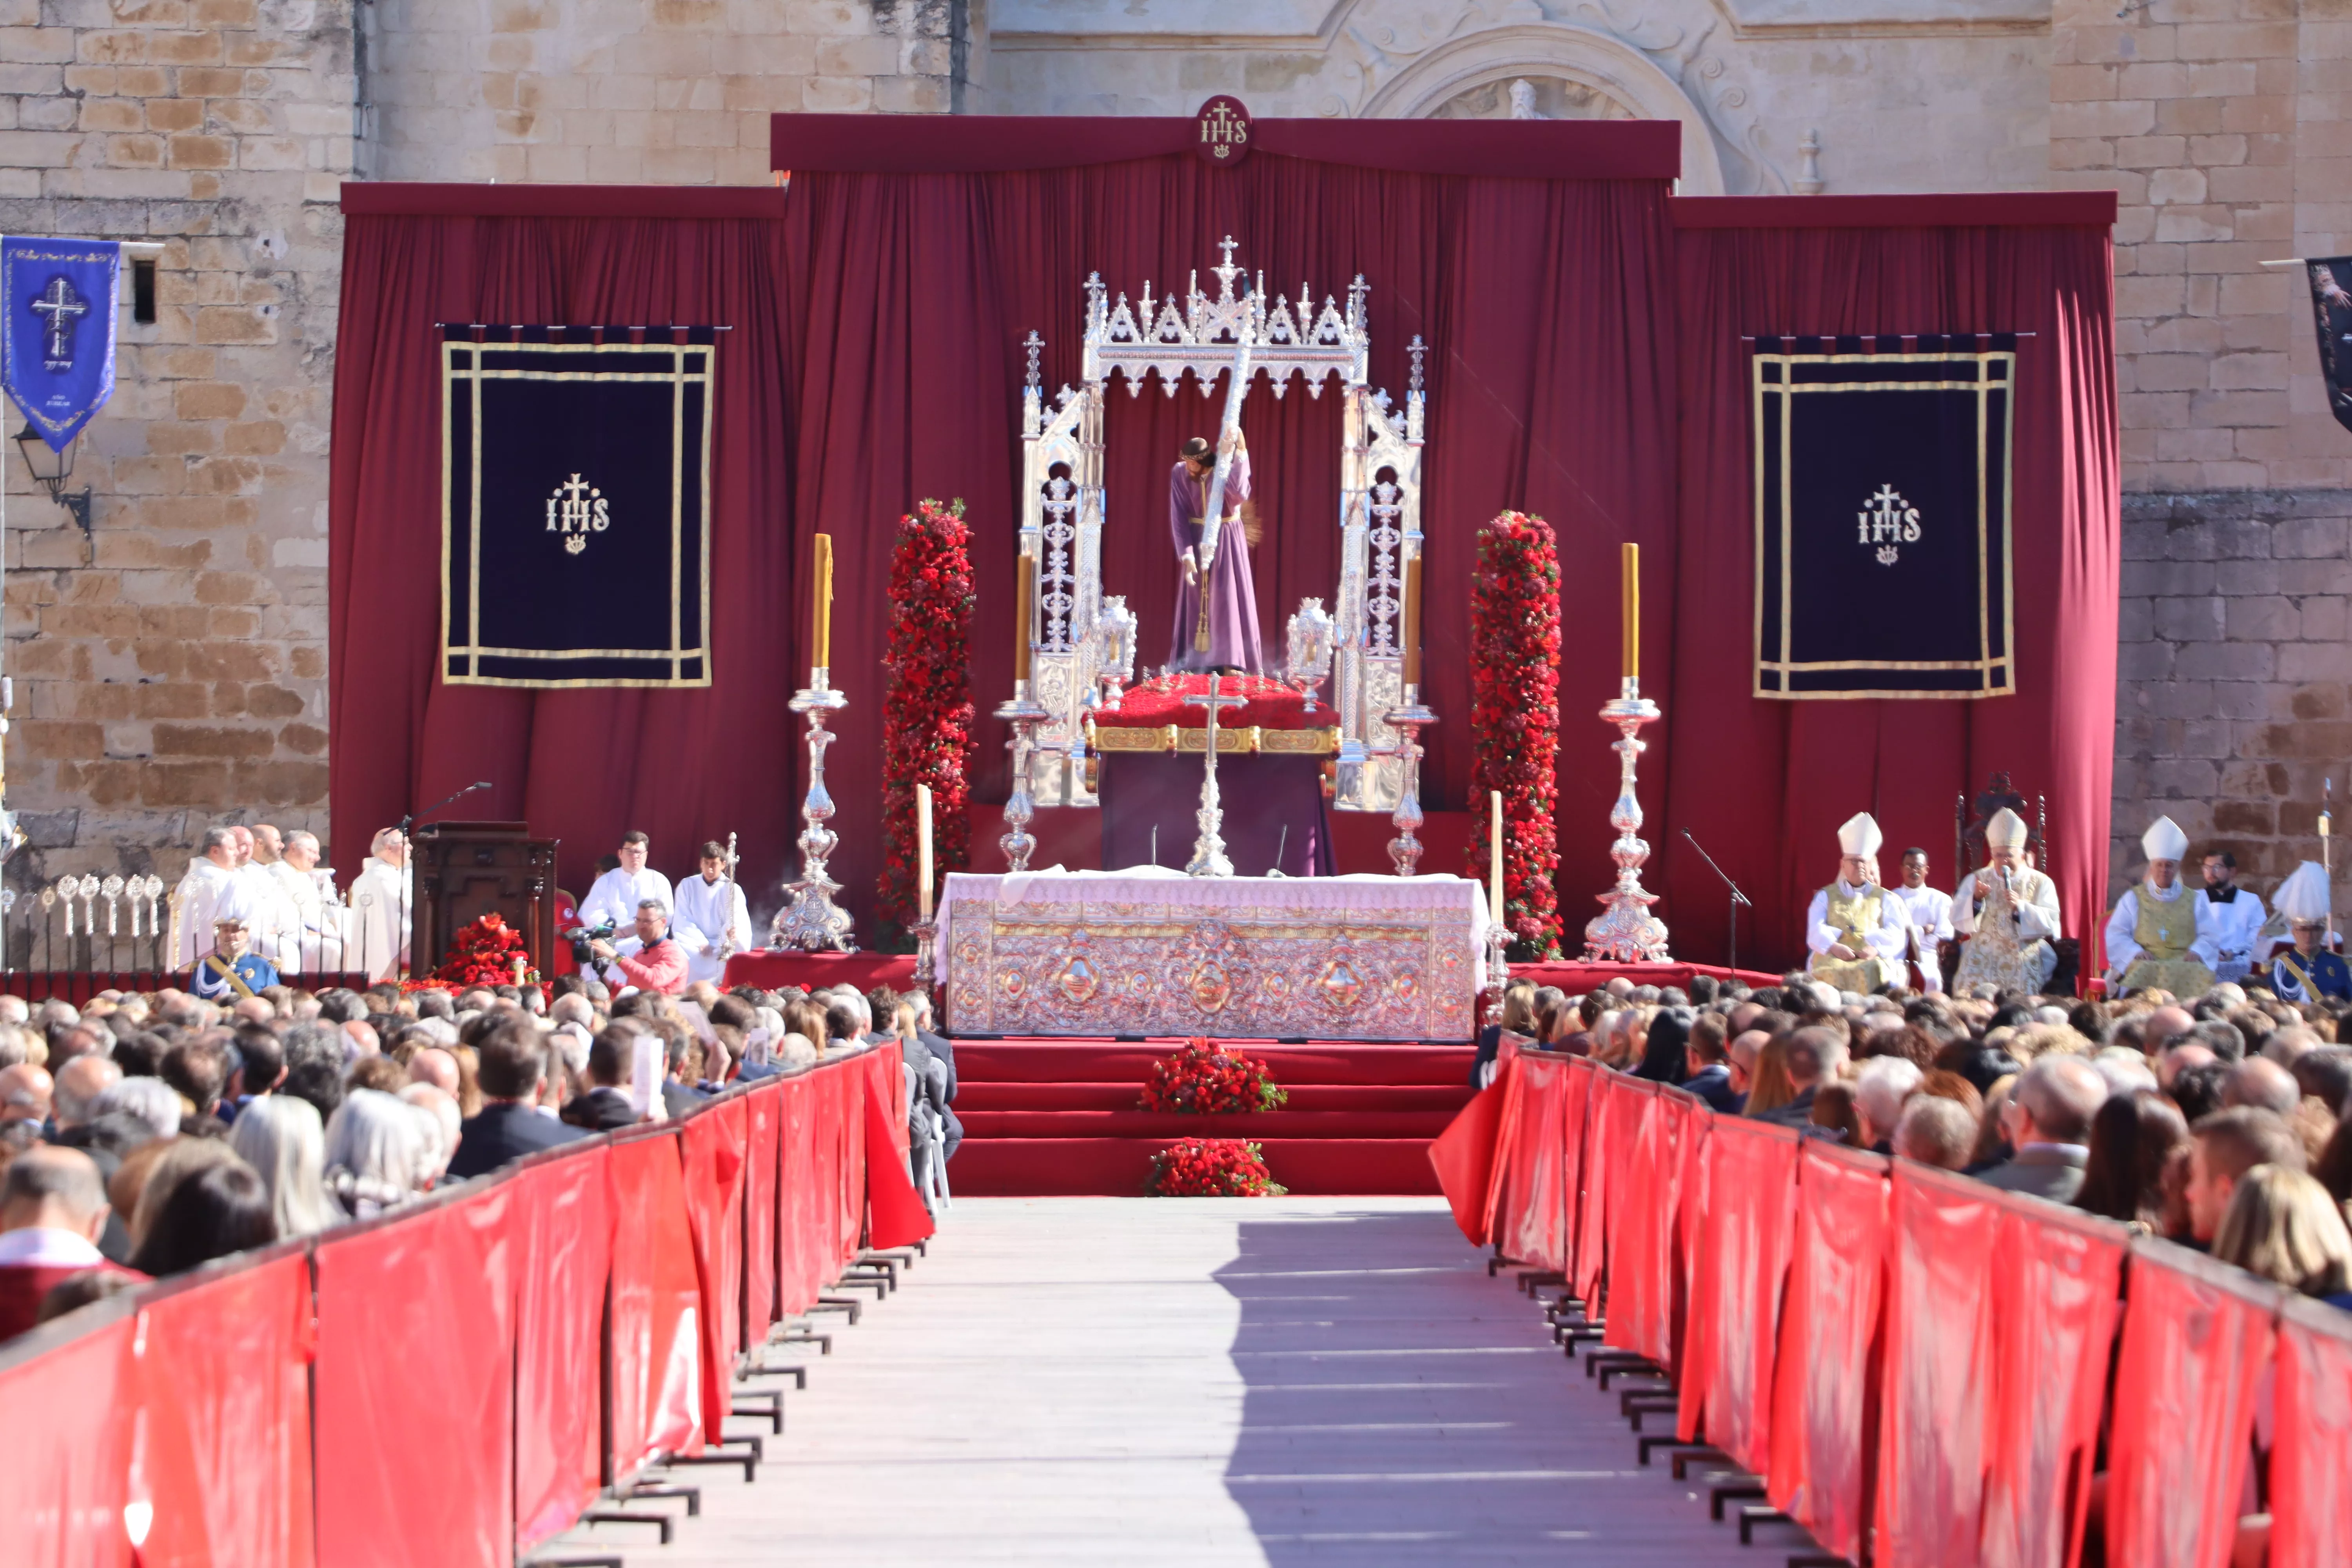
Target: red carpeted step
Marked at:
1325, 1097
1165, 1126
1103, 1061
1119, 1167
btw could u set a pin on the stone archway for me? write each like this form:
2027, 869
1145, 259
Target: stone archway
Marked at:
1602, 75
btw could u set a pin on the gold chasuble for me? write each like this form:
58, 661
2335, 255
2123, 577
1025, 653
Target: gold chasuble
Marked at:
2164, 931
1857, 921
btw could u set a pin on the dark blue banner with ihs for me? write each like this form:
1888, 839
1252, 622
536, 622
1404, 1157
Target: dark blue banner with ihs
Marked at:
57, 339
576, 506
1882, 497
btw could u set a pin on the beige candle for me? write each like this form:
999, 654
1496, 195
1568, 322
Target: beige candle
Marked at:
923, 849
1494, 853
1412, 622
1028, 576
1631, 555
821, 621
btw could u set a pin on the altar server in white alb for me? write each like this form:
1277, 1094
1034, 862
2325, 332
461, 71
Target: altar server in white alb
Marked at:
1855, 929
270, 919
2161, 934
2236, 915
711, 922
615, 898
1929, 913
383, 905
2008, 914
196, 901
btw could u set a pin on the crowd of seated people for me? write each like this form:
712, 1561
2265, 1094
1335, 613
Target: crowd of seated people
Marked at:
2223, 1121
144, 1134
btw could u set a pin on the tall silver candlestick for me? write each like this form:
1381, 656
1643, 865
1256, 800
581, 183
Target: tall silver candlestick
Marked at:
812, 922
1025, 713
1625, 931
1408, 721
926, 970
1209, 857
1498, 966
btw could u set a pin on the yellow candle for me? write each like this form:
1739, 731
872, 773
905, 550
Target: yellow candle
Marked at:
1028, 580
821, 623
1495, 855
1632, 557
923, 848
1412, 622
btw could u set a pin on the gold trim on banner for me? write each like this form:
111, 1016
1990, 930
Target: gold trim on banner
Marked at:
462, 361
1771, 378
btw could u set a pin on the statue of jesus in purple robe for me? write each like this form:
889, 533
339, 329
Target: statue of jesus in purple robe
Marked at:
1233, 599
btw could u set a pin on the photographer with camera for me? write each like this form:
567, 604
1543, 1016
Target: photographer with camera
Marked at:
656, 964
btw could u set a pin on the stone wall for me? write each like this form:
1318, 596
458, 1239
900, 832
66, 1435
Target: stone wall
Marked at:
2234, 675
172, 671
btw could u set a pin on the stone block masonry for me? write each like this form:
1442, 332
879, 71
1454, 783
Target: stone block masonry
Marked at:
2235, 682
171, 670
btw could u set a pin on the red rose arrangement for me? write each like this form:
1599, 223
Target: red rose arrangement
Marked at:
485, 953
1205, 1080
1515, 722
1212, 1168
927, 711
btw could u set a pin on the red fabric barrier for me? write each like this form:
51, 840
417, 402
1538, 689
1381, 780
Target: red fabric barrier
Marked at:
763, 1112
61, 1496
1631, 1106
1750, 1232
563, 1210
1470, 1153
1825, 1395
1531, 1219
1653, 1207
1934, 1409
849, 1174
414, 1386
656, 1393
2311, 1461
1598, 1167
796, 1181
712, 1149
895, 1212
2055, 1275
221, 1460
1694, 1274
2197, 1336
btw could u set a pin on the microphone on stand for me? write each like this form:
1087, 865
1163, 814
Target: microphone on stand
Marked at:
419, 816
1731, 958
410, 869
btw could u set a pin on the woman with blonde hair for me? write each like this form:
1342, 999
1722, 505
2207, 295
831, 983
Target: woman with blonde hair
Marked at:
1770, 1087
2283, 1225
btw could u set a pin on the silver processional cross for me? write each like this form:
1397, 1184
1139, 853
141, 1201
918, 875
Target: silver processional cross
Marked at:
60, 307
1209, 858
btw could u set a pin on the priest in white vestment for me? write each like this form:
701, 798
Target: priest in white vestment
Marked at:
2161, 935
2016, 957
270, 918
614, 898
711, 921
382, 900
1929, 913
309, 887
196, 899
2238, 918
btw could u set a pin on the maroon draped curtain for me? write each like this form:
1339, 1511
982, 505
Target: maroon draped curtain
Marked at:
583, 765
1586, 365
1763, 784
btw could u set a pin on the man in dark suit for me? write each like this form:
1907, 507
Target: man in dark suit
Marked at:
2048, 1119
1815, 1054
512, 1061
943, 1052
1707, 1061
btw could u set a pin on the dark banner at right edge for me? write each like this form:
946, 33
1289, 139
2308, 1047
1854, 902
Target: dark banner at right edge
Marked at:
1881, 486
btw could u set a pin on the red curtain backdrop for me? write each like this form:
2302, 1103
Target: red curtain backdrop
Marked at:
1586, 365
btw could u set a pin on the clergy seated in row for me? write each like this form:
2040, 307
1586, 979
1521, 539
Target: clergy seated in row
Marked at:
2008, 913
2308, 970
1856, 929
2161, 937
230, 973
2236, 917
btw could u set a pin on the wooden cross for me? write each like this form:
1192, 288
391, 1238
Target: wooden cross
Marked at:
61, 307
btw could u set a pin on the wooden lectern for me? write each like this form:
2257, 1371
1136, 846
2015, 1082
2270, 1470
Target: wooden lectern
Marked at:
468, 869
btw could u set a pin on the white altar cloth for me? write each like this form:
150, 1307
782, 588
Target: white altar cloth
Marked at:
1150, 950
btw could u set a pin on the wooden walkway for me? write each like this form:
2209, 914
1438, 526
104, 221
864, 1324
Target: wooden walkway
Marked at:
1195, 1382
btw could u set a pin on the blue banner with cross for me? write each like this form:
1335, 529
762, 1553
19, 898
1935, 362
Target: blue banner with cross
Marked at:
57, 334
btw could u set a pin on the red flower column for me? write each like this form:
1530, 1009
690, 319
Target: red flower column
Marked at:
1514, 720
928, 714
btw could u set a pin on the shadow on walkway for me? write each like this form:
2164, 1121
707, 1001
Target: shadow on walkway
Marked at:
1402, 1408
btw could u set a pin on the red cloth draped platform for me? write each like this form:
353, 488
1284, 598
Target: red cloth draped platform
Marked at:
1061, 1116
1578, 977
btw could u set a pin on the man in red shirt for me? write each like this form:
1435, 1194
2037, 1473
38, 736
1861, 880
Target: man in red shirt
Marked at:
52, 1209
656, 964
